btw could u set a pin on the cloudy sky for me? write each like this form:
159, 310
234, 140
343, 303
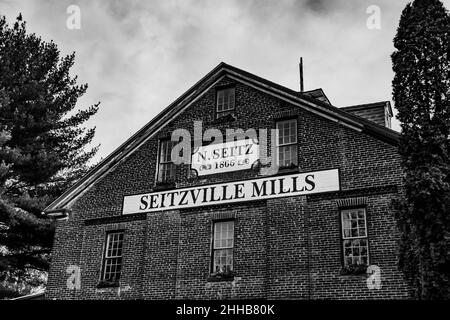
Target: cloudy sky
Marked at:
139, 56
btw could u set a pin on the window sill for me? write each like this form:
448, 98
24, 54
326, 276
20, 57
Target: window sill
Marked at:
220, 278
105, 284
224, 119
287, 169
159, 186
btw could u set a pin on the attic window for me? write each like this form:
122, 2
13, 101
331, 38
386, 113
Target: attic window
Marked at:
225, 102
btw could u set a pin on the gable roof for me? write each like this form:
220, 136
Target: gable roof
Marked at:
302, 100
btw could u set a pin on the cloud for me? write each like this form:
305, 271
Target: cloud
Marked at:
139, 56
319, 6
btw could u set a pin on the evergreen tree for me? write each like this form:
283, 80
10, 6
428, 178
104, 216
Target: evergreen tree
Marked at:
421, 92
42, 148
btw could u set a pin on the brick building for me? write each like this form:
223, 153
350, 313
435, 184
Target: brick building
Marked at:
139, 226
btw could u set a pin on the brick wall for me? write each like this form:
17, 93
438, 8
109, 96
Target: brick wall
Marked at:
284, 248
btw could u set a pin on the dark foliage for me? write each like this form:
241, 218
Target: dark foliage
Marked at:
421, 91
42, 147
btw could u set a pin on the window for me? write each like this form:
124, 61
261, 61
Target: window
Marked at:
166, 168
112, 261
225, 102
223, 243
287, 143
354, 237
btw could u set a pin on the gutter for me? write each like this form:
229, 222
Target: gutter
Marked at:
57, 214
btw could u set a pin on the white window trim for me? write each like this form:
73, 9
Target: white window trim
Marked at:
217, 101
343, 238
278, 145
342, 224
106, 257
158, 155
214, 236
214, 249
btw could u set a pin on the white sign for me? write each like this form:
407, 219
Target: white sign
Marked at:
224, 193
225, 157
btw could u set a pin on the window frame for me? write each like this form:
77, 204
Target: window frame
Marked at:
105, 257
159, 155
279, 146
213, 250
224, 113
343, 238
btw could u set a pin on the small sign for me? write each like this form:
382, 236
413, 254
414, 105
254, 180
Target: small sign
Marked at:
225, 157
257, 189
